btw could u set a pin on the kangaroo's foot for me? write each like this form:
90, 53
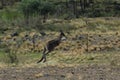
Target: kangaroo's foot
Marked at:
44, 60
40, 60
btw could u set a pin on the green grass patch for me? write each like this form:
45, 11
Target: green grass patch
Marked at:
99, 58
110, 58
22, 59
7, 14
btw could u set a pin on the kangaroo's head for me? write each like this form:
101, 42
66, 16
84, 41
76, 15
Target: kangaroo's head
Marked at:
62, 35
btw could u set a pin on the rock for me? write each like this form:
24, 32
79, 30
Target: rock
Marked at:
14, 34
43, 33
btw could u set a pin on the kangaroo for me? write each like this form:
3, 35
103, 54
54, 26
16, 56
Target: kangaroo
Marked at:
51, 45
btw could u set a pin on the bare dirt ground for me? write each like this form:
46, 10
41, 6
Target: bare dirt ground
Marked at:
90, 72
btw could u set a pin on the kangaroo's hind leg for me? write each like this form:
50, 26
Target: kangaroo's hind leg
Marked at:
43, 56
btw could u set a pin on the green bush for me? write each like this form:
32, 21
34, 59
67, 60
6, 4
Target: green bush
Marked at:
8, 14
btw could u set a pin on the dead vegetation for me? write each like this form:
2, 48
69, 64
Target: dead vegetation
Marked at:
90, 35
91, 52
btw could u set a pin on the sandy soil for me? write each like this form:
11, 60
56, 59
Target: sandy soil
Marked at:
90, 72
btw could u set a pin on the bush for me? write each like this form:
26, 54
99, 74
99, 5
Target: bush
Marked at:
36, 7
12, 58
9, 55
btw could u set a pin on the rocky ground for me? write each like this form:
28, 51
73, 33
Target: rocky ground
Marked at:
90, 72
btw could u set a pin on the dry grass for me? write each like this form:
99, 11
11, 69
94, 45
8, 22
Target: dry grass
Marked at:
77, 58
73, 52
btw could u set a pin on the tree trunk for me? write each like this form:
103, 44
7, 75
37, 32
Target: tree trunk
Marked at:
84, 3
26, 16
74, 7
66, 3
2, 4
45, 18
81, 5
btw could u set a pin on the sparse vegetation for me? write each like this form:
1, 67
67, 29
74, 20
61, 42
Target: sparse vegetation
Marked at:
76, 30
92, 28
